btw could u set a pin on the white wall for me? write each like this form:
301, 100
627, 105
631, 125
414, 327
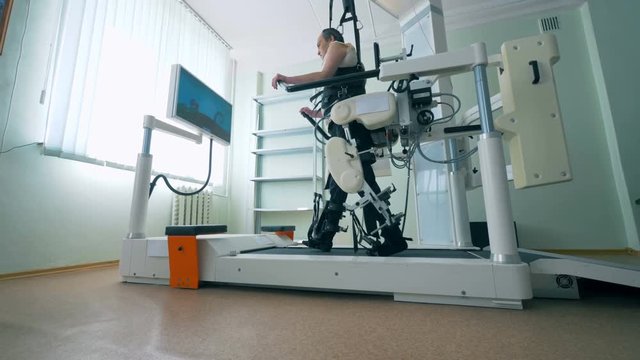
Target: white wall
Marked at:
241, 160
55, 212
585, 213
617, 93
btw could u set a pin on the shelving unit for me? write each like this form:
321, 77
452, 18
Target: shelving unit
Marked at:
288, 163
301, 149
284, 178
292, 131
282, 210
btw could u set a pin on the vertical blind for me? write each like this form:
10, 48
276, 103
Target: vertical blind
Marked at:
113, 63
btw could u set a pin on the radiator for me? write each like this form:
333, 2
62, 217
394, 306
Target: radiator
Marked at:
193, 210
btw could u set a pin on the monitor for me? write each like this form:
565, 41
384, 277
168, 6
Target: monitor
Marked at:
195, 104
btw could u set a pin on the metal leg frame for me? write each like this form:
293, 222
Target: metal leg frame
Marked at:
379, 201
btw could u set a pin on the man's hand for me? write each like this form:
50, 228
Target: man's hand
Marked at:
310, 112
278, 78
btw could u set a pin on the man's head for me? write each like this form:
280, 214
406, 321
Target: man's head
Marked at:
326, 37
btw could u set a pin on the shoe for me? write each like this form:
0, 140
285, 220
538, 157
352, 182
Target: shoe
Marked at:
394, 242
323, 239
389, 248
324, 246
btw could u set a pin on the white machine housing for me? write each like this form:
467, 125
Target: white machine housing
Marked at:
227, 258
374, 111
531, 119
344, 165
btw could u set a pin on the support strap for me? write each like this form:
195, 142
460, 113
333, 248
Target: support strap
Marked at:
349, 9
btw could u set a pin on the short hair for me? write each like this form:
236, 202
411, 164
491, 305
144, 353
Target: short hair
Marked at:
329, 32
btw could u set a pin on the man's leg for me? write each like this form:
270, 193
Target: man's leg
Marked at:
329, 222
394, 242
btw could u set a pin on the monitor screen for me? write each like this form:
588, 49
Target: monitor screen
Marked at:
194, 103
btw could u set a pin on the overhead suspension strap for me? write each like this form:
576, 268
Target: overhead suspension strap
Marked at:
330, 12
349, 9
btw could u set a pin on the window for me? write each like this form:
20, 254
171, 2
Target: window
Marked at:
113, 64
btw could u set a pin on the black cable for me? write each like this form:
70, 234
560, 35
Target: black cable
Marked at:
406, 199
20, 146
315, 125
405, 160
317, 104
317, 129
455, 109
394, 158
176, 191
448, 118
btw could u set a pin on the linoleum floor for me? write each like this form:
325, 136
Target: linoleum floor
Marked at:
91, 314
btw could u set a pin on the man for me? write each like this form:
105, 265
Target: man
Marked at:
340, 58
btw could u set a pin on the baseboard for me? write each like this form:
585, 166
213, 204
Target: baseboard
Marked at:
57, 270
594, 252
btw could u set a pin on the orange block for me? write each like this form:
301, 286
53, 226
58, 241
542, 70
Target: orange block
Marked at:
183, 262
288, 234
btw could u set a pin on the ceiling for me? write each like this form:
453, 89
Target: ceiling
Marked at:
270, 34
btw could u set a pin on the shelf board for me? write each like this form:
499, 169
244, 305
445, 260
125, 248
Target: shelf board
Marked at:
301, 149
284, 178
289, 131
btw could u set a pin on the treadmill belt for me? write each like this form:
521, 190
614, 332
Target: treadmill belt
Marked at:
421, 253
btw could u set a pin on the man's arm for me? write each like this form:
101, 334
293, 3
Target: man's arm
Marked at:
334, 56
313, 113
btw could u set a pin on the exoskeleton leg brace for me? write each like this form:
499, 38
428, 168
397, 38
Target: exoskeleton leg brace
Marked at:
345, 167
374, 111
